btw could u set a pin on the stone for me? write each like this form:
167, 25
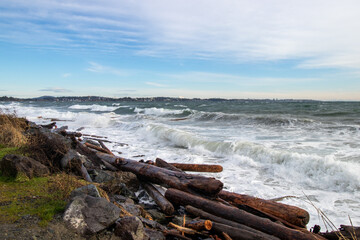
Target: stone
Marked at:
101, 176
74, 157
157, 216
132, 208
90, 190
13, 165
152, 224
130, 228
154, 235
89, 215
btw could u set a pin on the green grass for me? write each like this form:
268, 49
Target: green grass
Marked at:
36, 196
8, 150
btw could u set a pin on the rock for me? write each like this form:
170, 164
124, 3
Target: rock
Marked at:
13, 165
90, 190
130, 228
118, 188
179, 220
157, 216
101, 176
132, 208
152, 224
154, 235
127, 178
89, 215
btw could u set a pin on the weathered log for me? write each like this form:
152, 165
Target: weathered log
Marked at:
160, 200
291, 214
232, 213
85, 173
226, 236
200, 213
239, 234
163, 164
162, 176
105, 148
100, 149
199, 225
345, 232
197, 167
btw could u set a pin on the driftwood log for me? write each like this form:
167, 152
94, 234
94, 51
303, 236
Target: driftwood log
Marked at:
200, 225
242, 228
291, 214
185, 182
178, 197
198, 167
160, 200
163, 164
345, 232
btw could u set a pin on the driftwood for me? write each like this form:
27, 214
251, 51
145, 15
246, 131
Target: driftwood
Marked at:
178, 180
49, 126
184, 229
163, 164
104, 147
198, 167
200, 225
345, 232
160, 200
232, 213
215, 219
100, 149
291, 214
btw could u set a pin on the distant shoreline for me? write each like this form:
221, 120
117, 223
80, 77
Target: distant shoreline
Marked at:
146, 99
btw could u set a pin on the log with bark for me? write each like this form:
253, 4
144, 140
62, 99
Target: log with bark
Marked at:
200, 224
198, 167
344, 232
291, 214
159, 199
215, 219
186, 182
163, 164
178, 197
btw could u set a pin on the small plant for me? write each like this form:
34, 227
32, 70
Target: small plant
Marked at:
12, 130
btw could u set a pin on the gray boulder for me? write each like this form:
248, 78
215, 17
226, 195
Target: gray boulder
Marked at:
90, 190
89, 215
154, 235
130, 228
13, 165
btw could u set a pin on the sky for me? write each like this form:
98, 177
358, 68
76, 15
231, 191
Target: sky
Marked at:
298, 49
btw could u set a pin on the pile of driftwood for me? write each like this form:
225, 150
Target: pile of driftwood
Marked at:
218, 212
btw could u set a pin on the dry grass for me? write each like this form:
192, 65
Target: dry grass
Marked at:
12, 130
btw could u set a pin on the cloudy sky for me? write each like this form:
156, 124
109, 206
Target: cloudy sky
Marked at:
205, 48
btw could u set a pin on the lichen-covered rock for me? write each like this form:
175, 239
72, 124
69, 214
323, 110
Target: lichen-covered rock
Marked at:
89, 215
13, 165
101, 176
130, 228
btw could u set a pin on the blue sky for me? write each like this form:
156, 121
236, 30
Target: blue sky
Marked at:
298, 49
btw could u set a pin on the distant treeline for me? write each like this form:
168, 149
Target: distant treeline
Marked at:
129, 99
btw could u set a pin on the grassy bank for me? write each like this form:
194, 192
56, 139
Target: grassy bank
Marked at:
43, 196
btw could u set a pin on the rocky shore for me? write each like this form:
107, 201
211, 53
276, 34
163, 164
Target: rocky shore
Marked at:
105, 202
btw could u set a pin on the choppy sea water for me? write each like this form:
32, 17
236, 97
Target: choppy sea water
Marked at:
269, 149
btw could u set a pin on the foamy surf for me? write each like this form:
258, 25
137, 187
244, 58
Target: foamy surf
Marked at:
266, 151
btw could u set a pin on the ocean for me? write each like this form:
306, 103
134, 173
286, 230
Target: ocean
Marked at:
307, 150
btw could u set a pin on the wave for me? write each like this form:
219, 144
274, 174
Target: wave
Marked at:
309, 169
162, 111
94, 107
272, 120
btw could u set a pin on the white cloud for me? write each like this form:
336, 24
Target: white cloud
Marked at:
155, 84
319, 34
98, 68
55, 90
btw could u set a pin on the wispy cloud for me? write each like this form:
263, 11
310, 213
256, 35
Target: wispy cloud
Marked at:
155, 84
319, 34
66, 75
98, 68
55, 90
